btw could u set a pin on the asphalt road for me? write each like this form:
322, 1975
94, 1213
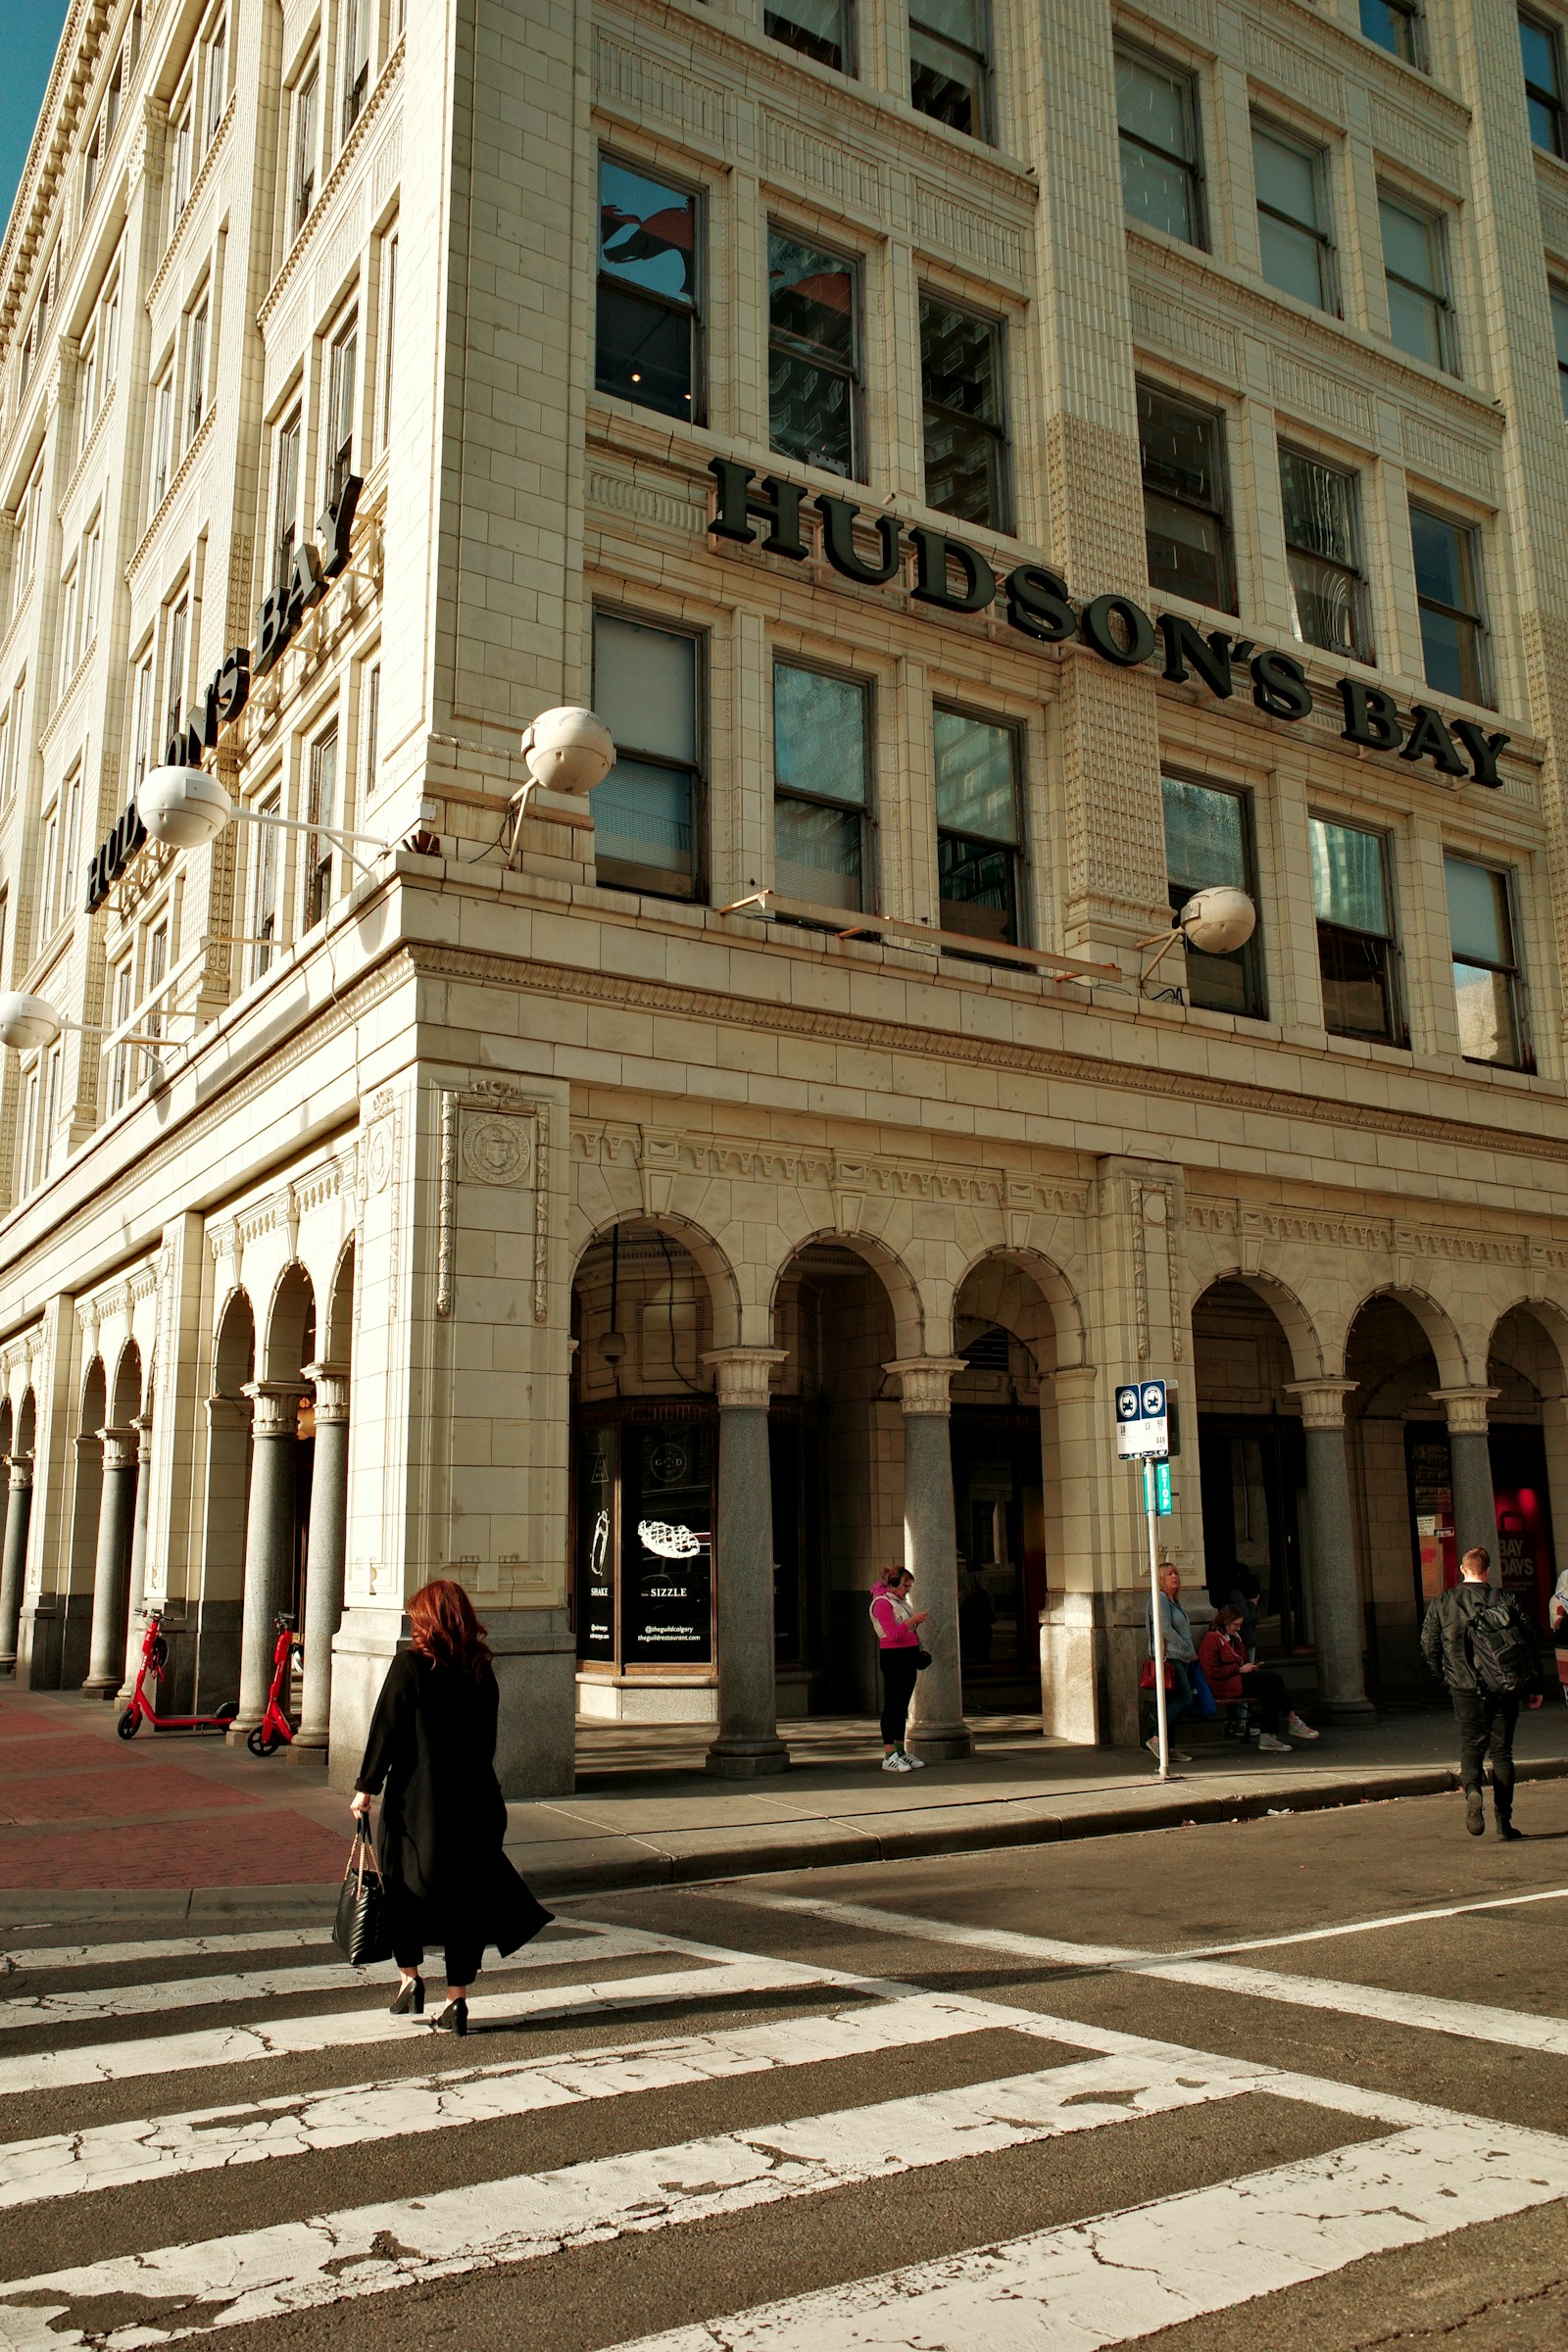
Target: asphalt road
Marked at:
1299, 2082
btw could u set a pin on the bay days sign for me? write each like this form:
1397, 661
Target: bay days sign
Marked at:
1038, 605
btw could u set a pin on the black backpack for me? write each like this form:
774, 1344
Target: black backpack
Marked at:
1501, 1650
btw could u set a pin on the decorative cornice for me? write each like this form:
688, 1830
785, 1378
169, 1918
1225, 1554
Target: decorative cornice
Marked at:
99, 427
176, 490
1389, 1237
198, 189
353, 146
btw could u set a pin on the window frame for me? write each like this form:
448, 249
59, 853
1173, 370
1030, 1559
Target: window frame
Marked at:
356, 32
1477, 620
265, 881
854, 374
1016, 850
1398, 1029
1191, 169
1442, 297
1364, 648
692, 311
164, 467
1557, 293
1248, 958
1513, 973
1412, 14
1315, 153
1002, 520
1223, 513
183, 143
1551, 101
288, 450
983, 60
342, 394
695, 770
846, 62
319, 860
198, 323
865, 812
215, 75
303, 143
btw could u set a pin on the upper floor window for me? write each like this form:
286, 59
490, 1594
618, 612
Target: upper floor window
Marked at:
814, 358
175, 669
1540, 48
340, 411
114, 97
647, 344
141, 718
1487, 985
966, 439
285, 498
1415, 266
11, 765
320, 809
950, 62
28, 514
89, 164
389, 321
356, 30
648, 812
108, 338
69, 597
822, 787
162, 433
1156, 116
86, 387
182, 139
1323, 552
120, 1002
1560, 335
217, 70
817, 29
1293, 215
264, 924
302, 146
92, 558
1209, 840
1186, 507
1357, 959
1395, 26
196, 372
1447, 583
978, 826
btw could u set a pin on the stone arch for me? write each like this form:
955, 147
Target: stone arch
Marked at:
1436, 1323
290, 1328
126, 1390
6, 1426
94, 1395
1551, 1322
27, 1422
1013, 1268
723, 1289
234, 1344
339, 1330
903, 1291
1309, 1357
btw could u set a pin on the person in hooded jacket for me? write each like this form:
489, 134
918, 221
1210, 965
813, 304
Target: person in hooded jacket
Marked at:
1486, 1716
431, 1756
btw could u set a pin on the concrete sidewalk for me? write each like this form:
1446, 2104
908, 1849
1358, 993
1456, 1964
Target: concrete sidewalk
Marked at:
91, 1826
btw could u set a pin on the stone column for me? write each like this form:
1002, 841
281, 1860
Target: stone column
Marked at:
936, 1727
1475, 1513
1336, 1621
117, 1511
323, 1556
14, 1559
138, 1555
269, 1540
748, 1742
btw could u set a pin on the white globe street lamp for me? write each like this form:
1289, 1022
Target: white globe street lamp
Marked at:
1216, 920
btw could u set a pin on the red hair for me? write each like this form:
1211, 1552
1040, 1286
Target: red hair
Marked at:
445, 1629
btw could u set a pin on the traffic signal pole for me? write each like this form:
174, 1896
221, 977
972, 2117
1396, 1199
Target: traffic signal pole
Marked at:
1160, 1711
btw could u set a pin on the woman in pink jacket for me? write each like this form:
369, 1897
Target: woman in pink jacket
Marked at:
898, 1632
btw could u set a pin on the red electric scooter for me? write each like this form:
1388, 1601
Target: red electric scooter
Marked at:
153, 1658
275, 1731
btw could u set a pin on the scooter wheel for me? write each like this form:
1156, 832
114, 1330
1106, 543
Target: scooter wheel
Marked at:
260, 1743
126, 1726
227, 1711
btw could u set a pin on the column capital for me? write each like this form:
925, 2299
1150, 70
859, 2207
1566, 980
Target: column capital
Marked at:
121, 1448
1322, 1400
21, 1465
926, 1379
332, 1381
1074, 1380
275, 1406
1466, 1409
743, 1376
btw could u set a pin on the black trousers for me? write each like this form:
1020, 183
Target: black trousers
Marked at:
1267, 1691
899, 1671
415, 1923
1486, 1719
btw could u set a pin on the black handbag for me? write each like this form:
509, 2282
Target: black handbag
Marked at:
363, 1929
922, 1659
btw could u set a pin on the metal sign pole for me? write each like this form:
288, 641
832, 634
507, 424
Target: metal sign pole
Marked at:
1160, 1630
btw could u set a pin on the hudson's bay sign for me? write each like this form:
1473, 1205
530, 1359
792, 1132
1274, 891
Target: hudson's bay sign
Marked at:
956, 578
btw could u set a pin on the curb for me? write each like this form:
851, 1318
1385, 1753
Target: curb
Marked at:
830, 1846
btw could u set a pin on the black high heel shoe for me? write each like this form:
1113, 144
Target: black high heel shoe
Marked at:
409, 2000
453, 2019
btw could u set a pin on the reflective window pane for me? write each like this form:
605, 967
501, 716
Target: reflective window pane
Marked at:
1479, 926
819, 734
643, 818
975, 764
961, 361
1559, 330
1293, 260
812, 360
1186, 528
1319, 508
1412, 245
1488, 1028
645, 811
647, 232
1395, 26
644, 353
811, 300
816, 853
1188, 553
644, 688
1417, 325
1206, 839
977, 886
1347, 876
1154, 105
1157, 122
1450, 655
947, 83
813, 27
1443, 568
646, 295
1358, 977
1325, 605
1288, 178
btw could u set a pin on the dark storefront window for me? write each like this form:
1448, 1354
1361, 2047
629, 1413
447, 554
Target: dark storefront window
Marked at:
646, 1496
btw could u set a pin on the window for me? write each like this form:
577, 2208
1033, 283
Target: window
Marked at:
320, 810
5, 911
1559, 331
817, 29
113, 99
1541, 54
1416, 273
390, 317
965, 443
340, 409
285, 499
1486, 964
1186, 519
156, 967
11, 767
950, 62
1209, 840
48, 871
303, 146
217, 79
978, 829
355, 61
1356, 949
263, 889
1448, 585
120, 984
813, 354
27, 515
1395, 26
92, 555
108, 339
196, 374
175, 669
648, 811
373, 726
179, 169
87, 389
68, 628
822, 787
141, 720
1323, 552
51, 1116
30, 1135
646, 341
163, 436
1157, 115
71, 845
89, 165
1293, 217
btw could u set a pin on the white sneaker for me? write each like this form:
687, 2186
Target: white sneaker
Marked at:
916, 1763
1299, 1730
1176, 1755
897, 1763
1268, 1746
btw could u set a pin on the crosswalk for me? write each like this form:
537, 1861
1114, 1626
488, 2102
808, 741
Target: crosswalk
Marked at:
128, 2151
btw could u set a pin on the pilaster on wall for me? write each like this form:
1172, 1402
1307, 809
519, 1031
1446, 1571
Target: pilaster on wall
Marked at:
173, 1569
1144, 1332
53, 1483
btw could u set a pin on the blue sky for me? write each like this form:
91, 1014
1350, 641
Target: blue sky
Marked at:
29, 35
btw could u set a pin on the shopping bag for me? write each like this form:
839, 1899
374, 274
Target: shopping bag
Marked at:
1203, 1696
1145, 1678
362, 1930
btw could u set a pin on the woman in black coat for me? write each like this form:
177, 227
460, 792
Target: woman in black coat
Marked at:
432, 1744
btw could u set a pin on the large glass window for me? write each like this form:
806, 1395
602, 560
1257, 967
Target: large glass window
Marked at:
1293, 217
1156, 116
965, 440
1209, 841
822, 787
1185, 522
1486, 964
950, 62
1357, 959
648, 811
1323, 552
1447, 583
814, 354
1395, 26
264, 888
648, 316
320, 809
816, 28
303, 145
196, 374
342, 395
1415, 269
1541, 51
978, 828
355, 30
1559, 333
286, 500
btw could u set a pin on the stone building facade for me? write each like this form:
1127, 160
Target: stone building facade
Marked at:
996, 471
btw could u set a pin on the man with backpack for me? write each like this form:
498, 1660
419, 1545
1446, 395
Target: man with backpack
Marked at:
1481, 1644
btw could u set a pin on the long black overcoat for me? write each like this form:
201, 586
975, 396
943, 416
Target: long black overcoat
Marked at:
431, 1757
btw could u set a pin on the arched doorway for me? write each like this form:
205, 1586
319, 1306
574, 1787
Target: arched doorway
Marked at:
1402, 1487
1252, 1461
87, 1495
1524, 1424
215, 1661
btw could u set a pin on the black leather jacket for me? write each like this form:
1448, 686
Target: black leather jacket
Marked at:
1442, 1642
